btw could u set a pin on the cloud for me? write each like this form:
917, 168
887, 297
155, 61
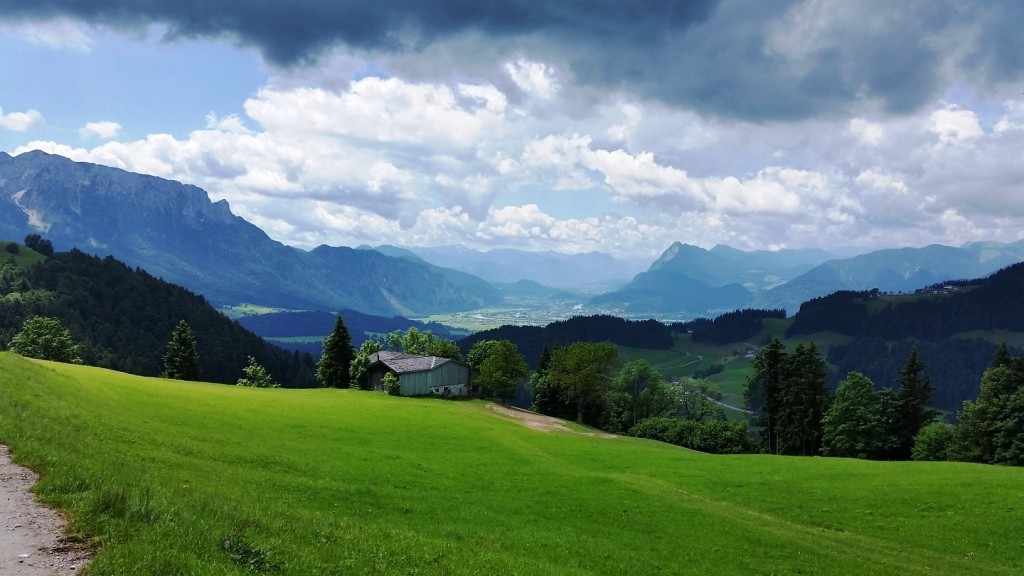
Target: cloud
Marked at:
534, 78
743, 59
538, 162
20, 121
58, 34
953, 125
103, 129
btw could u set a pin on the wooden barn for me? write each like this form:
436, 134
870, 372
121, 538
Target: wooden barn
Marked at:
420, 375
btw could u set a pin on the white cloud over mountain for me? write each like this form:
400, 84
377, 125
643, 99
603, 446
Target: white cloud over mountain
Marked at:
800, 124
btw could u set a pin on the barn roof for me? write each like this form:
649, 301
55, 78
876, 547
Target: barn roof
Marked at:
405, 363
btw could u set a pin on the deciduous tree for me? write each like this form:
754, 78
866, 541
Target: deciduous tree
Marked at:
992, 427
855, 424
359, 370
501, 369
46, 339
581, 370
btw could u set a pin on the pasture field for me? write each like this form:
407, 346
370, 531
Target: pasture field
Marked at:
169, 477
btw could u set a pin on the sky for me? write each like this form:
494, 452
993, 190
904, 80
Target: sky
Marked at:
600, 125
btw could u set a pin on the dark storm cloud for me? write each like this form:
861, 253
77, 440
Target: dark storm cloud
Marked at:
720, 57
290, 31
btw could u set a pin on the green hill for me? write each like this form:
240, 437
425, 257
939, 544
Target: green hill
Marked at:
123, 318
170, 477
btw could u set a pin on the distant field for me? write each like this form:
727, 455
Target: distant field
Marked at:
24, 258
240, 310
160, 473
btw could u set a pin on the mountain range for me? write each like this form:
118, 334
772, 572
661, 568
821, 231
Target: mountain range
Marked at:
175, 232
690, 281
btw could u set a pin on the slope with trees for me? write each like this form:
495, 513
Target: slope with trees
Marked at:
531, 340
122, 318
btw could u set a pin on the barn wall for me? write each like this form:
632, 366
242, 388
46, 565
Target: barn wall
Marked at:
450, 374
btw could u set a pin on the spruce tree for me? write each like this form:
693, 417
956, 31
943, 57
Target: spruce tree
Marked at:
803, 399
763, 389
332, 370
181, 361
912, 412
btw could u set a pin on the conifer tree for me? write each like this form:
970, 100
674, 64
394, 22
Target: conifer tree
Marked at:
332, 370
912, 412
763, 389
256, 376
802, 402
181, 361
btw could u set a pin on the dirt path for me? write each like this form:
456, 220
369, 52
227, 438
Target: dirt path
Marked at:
32, 539
540, 422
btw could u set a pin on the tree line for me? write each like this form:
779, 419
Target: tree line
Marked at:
532, 340
795, 414
121, 318
730, 327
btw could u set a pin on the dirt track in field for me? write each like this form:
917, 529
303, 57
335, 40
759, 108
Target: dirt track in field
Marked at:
32, 540
536, 421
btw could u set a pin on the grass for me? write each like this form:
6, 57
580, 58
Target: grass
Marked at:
25, 258
170, 477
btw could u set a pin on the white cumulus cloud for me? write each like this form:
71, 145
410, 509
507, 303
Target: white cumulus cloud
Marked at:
20, 121
103, 129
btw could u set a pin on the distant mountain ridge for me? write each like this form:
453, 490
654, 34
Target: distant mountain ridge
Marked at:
894, 270
175, 232
691, 281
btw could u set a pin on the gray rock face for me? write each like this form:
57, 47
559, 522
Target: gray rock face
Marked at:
175, 232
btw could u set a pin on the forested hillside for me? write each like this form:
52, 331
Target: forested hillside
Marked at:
123, 318
951, 325
532, 340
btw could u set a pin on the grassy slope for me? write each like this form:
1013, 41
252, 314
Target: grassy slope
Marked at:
159, 472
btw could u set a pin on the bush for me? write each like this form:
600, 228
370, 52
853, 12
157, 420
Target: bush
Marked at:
256, 376
934, 442
392, 385
713, 437
11, 248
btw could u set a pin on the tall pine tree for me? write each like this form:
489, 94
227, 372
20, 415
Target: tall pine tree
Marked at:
181, 361
332, 370
803, 400
912, 412
762, 392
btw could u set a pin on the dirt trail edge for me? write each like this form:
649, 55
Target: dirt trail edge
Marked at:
32, 539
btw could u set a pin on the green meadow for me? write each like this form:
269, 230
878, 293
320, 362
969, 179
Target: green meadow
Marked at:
168, 477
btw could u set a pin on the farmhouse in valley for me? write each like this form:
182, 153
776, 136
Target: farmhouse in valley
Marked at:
420, 375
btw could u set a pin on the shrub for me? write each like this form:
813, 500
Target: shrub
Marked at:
392, 385
934, 442
713, 437
256, 375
